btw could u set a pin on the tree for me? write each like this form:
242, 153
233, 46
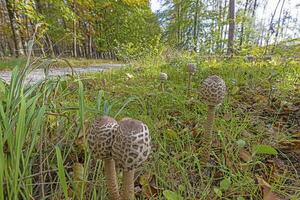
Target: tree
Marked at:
12, 13
231, 17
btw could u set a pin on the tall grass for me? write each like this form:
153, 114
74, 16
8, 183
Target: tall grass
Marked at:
21, 121
37, 135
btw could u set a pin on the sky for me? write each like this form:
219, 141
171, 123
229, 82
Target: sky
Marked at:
261, 13
271, 5
155, 5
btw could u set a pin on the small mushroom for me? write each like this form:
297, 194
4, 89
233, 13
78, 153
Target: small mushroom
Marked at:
192, 69
130, 149
267, 58
249, 58
213, 91
163, 78
100, 140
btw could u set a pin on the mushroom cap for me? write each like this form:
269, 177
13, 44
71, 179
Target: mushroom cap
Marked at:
213, 90
101, 137
192, 68
132, 144
249, 58
163, 76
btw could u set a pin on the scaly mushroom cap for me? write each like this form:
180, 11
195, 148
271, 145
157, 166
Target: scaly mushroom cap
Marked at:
213, 90
101, 137
163, 76
132, 144
192, 68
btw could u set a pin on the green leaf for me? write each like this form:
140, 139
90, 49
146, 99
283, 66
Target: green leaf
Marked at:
169, 195
61, 172
171, 134
225, 184
241, 143
264, 149
218, 192
240, 198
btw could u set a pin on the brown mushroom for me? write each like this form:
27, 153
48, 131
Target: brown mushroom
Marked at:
130, 149
100, 140
192, 69
163, 78
213, 91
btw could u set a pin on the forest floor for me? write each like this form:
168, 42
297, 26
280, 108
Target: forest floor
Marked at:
256, 147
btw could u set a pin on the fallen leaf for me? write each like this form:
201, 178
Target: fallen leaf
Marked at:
78, 172
245, 155
78, 177
266, 189
129, 76
290, 145
227, 116
149, 188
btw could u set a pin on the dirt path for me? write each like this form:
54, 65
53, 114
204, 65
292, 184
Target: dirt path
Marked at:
39, 74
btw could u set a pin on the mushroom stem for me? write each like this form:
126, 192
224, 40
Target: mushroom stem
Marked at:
210, 120
162, 86
189, 84
128, 185
208, 130
111, 179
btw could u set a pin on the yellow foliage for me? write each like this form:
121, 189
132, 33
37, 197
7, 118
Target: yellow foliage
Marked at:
136, 2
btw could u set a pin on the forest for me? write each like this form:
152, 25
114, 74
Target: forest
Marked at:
150, 99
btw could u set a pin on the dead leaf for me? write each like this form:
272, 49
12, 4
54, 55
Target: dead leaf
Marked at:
290, 145
149, 188
78, 172
227, 116
245, 155
266, 189
129, 76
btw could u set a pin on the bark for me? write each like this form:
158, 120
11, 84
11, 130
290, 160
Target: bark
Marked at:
220, 27
223, 29
14, 28
231, 17
2, 49
195, 30
90, 46
74, 33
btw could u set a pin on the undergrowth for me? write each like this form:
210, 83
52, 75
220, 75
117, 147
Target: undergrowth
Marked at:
43, 129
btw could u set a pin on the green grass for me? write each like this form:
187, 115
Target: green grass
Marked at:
10, 63
258, 109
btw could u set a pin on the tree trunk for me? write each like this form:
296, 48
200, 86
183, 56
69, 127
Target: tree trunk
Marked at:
90, 46
243, 24
74, 33
195, 30
14, 28
231, 16
224, 29
271, 28
278, 24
